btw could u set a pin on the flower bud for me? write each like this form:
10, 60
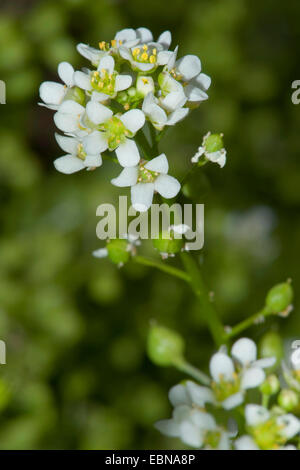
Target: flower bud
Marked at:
164, 346
271, 346
145, 85
270, 386
117, 250
213, 143
279, 297
166, 243
76, 94
288, 399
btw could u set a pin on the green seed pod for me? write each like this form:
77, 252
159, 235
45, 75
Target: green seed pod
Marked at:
166, 243
279, 297
213, 143
164, 346
288, 399
270, 345
270, 386
118, 251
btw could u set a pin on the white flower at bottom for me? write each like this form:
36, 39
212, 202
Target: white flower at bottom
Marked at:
53, 93
190, 422
268, 430
146, 178
81, 154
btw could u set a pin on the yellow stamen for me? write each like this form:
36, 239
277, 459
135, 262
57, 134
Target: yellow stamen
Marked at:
113, 43
144, 56
152, 59
154, 52
102, 45
145, 48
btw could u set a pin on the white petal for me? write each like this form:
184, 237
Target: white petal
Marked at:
95, 143
133, 120
68, 144
265, 363
127, 177
107, 63
144, 67
199, 395
82, 80
163, 57
217, 157
245, 443
195, 94
291, 425
168, 427
233, 401
244, 350
159, 164
93, 161
167, 186
190, 434
123, 82
96, 96
141, 196
178, 395
172, 59
125, 53
188, 66
68, 164
174, 100
90, 53
124, 35
252, 378
101, 253
71, 107
203, 81
155, 113
165, 39
66, 122
66, 73
128, 154
97, 112
177, 116
221, 366
256, 414
52, 92
144, 34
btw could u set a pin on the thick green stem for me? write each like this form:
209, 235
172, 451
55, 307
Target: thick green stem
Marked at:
189, 369
162, 267
243, 325
207, 309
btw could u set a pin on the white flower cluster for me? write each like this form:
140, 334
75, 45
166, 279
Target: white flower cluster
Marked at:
194, 421
131, 80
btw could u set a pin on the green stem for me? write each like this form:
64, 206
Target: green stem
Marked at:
206, 306
189, 369
162, 267
243, 325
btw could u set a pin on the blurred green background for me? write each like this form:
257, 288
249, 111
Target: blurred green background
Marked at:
77, 376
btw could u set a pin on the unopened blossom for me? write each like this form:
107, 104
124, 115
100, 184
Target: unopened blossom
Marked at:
53, 93
190, 422
119, 250
158, 116
117, 131
212, 149
105, 82
267, 429
147, 178
81, 153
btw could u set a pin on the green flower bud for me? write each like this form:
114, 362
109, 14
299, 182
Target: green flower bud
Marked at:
271, 346
164, 346
288, 399
213, 143
270, 386
166, 243
279, 297
75, 94
132, 92
118, 251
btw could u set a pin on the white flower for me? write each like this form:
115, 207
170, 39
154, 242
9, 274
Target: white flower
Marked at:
269, 431
217, 156
158, 116
146, 55
53, 93
115, 131
190, 422
229, 384
81, 154
69, 116
145, 179
104, 82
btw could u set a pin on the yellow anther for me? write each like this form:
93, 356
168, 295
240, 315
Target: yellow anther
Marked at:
102, 45
103, 71
101, 84
154, 52
152, 59
145, 80
113, 42
135, 51
121, 42
145, 47
144, 56
126, 106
